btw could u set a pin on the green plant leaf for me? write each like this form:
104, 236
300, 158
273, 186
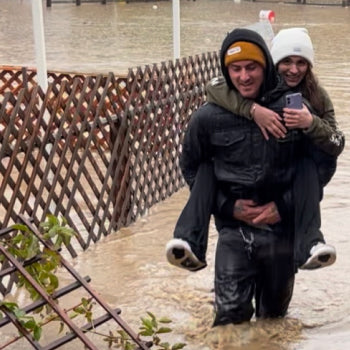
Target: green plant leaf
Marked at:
54, 281
17, 239
164, 330
37, 333
129, 346
147, 323
147, 333
30, 324
9, 305
85, 302
61, 327
79, 310
150, 314
165, 320
20, 227
18, 313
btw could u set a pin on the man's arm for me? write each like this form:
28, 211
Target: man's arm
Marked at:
268, 121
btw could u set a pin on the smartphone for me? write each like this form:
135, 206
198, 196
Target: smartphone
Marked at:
294, 101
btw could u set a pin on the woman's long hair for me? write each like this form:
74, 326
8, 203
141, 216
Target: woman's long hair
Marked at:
310, 90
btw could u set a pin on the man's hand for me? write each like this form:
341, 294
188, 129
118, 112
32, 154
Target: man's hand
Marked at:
248, 211
269, 214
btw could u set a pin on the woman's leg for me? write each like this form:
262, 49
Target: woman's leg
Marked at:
189, 246
310, 249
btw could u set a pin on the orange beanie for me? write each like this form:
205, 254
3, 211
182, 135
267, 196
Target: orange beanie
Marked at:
243, 50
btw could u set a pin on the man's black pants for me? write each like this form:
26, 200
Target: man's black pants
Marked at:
252, 264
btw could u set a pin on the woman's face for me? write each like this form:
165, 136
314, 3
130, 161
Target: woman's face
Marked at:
293, 69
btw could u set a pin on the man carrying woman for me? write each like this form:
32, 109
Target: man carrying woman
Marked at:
293, 55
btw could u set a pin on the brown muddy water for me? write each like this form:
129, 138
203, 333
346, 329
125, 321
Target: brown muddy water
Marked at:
128, 268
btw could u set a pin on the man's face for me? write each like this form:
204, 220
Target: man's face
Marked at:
247, 77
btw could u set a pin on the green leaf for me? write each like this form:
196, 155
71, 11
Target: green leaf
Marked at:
151, 315
147, 333
64, 221
54, 281
18, 313
79, 310
123, 334
21, 227
52, 220
37, 333
88, 316
85, 301
61, 327
9, 305
17, 239
165, 320
31, 324
164, 330
178, 346
147, 323
129, 346
51, 233
58, 243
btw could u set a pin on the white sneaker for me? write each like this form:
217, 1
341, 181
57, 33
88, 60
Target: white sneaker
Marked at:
321, 255
179, 253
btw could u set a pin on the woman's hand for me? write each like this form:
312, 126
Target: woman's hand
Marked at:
297, 118
268, 122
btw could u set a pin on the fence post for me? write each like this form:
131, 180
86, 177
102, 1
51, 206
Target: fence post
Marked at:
24, 78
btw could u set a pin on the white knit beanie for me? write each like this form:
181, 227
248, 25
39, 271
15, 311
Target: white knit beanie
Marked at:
292, 42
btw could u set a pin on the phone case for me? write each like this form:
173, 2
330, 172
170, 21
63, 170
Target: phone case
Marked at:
294, 101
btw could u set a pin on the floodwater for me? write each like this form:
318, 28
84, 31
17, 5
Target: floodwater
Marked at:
129, 268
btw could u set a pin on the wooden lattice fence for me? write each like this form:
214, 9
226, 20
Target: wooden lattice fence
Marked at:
98, 150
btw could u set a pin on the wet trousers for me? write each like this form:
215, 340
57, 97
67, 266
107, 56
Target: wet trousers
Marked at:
252, 264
